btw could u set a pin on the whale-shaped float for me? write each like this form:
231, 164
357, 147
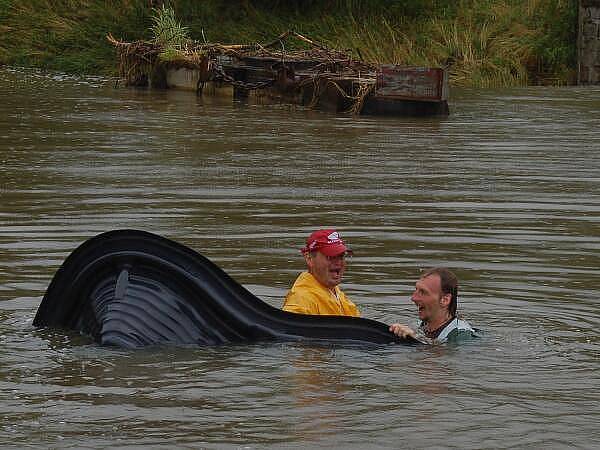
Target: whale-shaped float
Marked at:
130, 288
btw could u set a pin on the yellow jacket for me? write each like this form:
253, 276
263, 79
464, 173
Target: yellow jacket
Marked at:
308, 296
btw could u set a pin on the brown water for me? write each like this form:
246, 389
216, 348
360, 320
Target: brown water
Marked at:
506, 192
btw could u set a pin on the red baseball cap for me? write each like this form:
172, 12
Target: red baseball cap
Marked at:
327, 242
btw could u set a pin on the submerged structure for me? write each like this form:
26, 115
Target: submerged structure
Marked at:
130, 289
317, 76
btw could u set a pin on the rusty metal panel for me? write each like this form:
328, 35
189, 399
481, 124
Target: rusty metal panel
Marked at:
412, 83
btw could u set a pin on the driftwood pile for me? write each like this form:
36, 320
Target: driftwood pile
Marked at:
140, 59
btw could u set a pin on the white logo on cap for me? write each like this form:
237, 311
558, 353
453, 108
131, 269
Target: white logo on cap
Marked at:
333, 237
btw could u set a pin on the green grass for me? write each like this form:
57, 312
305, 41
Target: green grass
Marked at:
492, 42
68, 35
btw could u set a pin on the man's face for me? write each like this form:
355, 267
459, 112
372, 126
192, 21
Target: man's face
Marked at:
428, 297
328, 270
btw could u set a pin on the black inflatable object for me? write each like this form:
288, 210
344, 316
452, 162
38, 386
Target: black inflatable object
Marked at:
131, 288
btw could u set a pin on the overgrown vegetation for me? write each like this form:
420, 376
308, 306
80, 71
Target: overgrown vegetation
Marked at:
168, 33
491, 42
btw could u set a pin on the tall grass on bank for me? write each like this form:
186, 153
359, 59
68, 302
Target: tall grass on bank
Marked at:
68, 35
492, 42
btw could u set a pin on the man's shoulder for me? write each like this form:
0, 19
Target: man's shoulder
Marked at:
462, 324
458, 329
305, 281
303, 297
304, 287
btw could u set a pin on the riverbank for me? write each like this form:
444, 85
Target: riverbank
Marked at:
491, 42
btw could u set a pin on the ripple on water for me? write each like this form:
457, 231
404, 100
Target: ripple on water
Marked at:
504, 191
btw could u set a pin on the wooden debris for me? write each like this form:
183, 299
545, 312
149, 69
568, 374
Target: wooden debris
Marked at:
316, 77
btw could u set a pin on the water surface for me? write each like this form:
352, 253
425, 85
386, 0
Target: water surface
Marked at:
505, 192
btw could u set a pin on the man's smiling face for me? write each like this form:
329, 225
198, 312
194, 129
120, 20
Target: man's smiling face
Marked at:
328, 270
428, 298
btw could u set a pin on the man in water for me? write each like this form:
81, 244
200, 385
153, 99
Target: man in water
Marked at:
435, 295
316, 290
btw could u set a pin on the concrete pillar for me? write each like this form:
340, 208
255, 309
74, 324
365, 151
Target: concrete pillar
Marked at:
588, 42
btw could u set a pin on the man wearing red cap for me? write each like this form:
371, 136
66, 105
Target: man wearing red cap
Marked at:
316, 291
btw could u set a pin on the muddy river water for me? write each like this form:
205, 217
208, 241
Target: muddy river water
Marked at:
505, 191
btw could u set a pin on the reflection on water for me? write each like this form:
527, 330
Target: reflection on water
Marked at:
505, 192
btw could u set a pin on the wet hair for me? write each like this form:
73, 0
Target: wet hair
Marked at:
449, 284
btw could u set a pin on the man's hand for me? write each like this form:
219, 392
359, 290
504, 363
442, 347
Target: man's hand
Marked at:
403, 331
